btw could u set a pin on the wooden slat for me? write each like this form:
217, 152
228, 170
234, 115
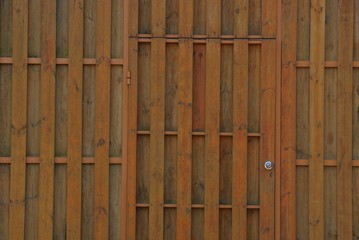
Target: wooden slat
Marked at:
267, 149
132, 143
241, 11
316, 121
158, 18
102, 119
213, 18
74, 163
345, 120
47, 113
288, 122
212, 124
240, 117
125, 116
185, 18
157, 139
269, 18
18, 119
184, 148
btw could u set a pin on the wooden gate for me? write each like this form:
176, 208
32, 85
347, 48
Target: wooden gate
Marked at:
320, 124
202, 119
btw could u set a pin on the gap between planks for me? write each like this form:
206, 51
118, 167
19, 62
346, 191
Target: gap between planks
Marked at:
62, 61
198, 206
61, 160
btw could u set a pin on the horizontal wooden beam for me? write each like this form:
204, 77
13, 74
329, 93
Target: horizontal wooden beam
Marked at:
327, 163
174, 133
173, 205
327, 64
62, 61
61, 160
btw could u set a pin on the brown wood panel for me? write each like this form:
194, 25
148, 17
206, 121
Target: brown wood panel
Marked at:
241, 18
171, 87
47, 112
303, 28
75, 111
157, 119
267, 141
32, 202
172, 16
330, 203
302, 203
211, 167
227, 17
330, 113
198, 163
199, 17
5, 109
60, 202
225, 224
116, 102
87, 199
199, 87
115, 201
240, 131
102, 120
184, 139
185, 18
345, 118
226, 87
18, 119
170, 169
6, 28
4, 200
288, 121
225, 170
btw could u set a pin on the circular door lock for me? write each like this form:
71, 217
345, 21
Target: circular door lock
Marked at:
268, 165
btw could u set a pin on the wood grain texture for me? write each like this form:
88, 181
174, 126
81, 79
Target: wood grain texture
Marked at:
18, 120
75, 77
185, 18
211, 196
157, 109
213, 18
269, 19
240, 126
184, 144
102, 119
158, 18
267, 141
345, 118
132, 142
288, 121
241, 17
47, 113
316, 121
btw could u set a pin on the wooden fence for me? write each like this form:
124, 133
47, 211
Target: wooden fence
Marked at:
152, 119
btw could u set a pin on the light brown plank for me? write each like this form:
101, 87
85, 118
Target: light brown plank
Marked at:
184, 144
267, 150
47, 113
185, 18
211, 213
157, 139
74, 163
5, 200
132, 143
158, 18
18, 122
288, 121
345, 124
241, 17
269, 18
240, 118
316, 121
213, 18
102, 119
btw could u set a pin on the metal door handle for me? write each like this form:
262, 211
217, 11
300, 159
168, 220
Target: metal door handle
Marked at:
268, 165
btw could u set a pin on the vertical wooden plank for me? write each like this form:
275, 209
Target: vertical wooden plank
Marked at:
255, 17
330, 204
115, 202
172, 15
75, 78
241, 17
288, 121
87, 213
213, 18
18, 122
302, 203
269, 18
345, 124
47, 113
227, 17
211, 212
6, 28
199, 87
60, 194
199, 16
102, 119
157, 138
32, 201
184, 139
5, 110
267, 141
132, 142
240, 126
185, 18
158, 18
303, 29
316, 121
4, 200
